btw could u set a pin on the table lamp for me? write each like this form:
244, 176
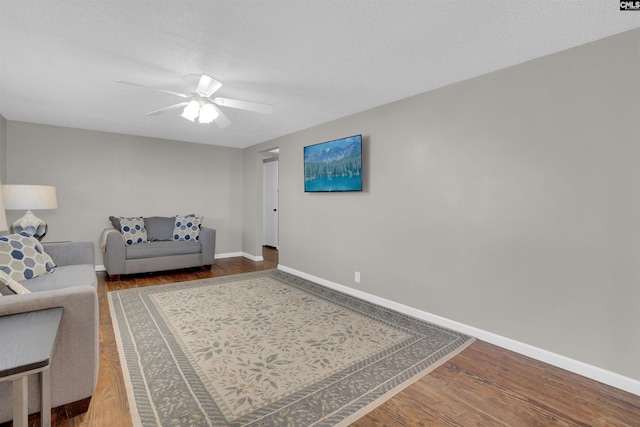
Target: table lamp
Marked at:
20, 197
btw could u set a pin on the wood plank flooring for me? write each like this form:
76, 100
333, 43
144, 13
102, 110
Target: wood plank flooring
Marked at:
483, 386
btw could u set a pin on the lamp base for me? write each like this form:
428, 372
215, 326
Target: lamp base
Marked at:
30, 224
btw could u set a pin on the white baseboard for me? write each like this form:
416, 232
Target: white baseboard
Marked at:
228, 255
253, 257
242, 254
607, 377
101, 268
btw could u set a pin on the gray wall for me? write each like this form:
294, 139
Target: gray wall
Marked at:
98, 174
509, 202
3, 149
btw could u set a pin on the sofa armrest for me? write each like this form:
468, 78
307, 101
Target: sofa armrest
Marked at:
208, 243
114, 252
70, 253
74, 363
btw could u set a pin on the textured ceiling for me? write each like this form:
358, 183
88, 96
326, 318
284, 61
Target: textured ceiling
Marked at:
314, 60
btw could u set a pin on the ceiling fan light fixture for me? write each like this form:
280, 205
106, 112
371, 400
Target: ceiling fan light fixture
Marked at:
208, 113
198, 103
191, 111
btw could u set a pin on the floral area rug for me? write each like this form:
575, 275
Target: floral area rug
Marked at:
266, 349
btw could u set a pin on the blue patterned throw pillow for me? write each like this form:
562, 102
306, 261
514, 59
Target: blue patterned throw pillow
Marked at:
187, 228
22, 257
133, 230
13, 286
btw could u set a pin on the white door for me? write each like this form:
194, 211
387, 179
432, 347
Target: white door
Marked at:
270, 204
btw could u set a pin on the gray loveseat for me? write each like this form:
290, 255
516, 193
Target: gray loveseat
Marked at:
74, 365
158, 251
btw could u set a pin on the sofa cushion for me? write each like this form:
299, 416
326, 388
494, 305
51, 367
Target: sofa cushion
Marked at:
158, 249
64, 277
159, 228
22, 257
187, 228
133, 230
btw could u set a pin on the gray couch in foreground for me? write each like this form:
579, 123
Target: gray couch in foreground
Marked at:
160, 255
74, 365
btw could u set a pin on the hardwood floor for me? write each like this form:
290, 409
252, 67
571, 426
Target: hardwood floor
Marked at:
482, 386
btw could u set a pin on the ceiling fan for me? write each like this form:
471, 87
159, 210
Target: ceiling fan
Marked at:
199, 103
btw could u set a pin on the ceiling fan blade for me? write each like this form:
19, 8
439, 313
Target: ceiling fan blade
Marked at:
258, 107
207, 85
182, 95
222, 121
169, 108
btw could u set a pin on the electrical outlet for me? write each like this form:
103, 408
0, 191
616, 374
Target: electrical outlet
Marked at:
357, 277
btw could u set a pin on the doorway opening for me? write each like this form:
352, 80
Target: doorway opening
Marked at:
270, 198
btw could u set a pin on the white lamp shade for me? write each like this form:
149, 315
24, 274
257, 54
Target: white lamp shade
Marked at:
3, 215
28, 197
208, 113
191, 110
